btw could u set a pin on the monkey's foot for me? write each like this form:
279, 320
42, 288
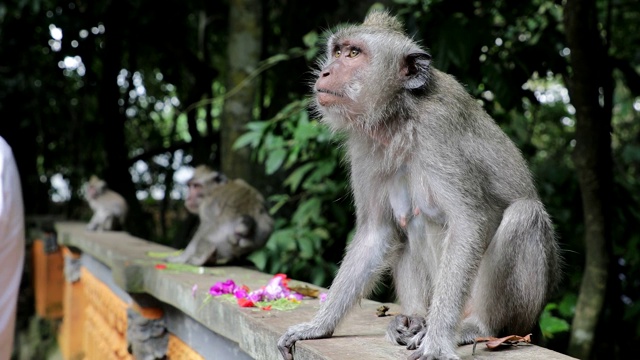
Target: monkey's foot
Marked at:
406, 330
470, 329
432, 349
418, 355
303, 331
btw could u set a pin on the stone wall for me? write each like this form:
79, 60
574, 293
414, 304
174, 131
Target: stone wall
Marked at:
121, 302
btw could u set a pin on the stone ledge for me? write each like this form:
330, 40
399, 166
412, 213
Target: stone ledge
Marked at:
360, 335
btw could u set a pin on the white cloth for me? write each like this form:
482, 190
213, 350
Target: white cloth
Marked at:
12, 243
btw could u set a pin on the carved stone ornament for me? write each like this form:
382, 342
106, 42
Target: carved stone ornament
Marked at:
72, 267
147, 338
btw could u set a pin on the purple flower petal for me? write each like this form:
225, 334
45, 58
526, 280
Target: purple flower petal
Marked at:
221, 288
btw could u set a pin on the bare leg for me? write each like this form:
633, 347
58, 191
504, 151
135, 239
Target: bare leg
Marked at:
413, 282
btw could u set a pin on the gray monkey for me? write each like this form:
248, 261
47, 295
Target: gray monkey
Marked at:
444, 200
109, 208
233, 219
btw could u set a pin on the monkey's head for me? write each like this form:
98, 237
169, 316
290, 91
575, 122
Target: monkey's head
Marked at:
370, 71
203, 180
94, 187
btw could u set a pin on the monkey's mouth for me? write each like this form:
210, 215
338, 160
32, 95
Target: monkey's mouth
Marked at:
325, 91
327, 97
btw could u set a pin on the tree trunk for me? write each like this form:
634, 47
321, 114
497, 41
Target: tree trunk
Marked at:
243, 56
590, 77
116, 172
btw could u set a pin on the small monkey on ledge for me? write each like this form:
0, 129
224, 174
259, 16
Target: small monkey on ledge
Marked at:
109, 208
233, 219
444, 200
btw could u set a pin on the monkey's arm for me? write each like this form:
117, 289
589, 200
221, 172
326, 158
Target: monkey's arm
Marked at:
354, 280
93, 223
192, 248
98, 220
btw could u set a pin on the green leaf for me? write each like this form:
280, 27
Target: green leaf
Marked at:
274, 160
309, 209
551, 325
306, 247
250, 138
259, 259
311, 53
163, 254
258, 126
294, 180
310, 39
280, 200
324, 169
567, 306
321, 233
282, 240
305, 129
279, 304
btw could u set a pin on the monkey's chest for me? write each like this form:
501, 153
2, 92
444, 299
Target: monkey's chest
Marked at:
411, 201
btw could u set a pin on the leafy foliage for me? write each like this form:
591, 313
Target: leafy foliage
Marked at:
311, 220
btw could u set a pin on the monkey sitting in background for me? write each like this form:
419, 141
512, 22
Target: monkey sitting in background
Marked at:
444, 200
190, 223
233, 219
109, 207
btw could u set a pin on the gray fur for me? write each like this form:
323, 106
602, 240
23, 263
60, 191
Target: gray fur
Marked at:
444, 200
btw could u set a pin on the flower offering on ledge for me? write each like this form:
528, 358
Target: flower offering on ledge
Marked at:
276, 294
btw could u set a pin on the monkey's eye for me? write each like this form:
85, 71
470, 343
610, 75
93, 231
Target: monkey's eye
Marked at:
354, 53
337, 53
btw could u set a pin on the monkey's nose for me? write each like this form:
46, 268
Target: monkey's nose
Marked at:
326, 73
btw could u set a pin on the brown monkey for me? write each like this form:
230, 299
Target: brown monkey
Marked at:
109, 207
444, 200
233, 219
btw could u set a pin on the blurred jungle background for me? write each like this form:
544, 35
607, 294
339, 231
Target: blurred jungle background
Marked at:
140, 92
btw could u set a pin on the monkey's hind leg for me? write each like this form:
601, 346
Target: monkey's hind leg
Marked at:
109, 223
516, 274
412, 280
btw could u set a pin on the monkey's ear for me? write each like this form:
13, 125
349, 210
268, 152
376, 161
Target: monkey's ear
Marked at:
220, 178
214, 178
416, 70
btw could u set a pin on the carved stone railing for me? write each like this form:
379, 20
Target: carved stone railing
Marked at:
117, 304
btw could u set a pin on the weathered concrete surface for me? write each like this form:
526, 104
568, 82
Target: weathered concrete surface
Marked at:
360, 336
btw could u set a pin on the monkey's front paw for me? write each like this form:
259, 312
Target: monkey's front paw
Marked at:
402, 330
92, 227
299, 332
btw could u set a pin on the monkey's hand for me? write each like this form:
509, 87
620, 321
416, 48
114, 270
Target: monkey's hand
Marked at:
92, 225
303, 331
